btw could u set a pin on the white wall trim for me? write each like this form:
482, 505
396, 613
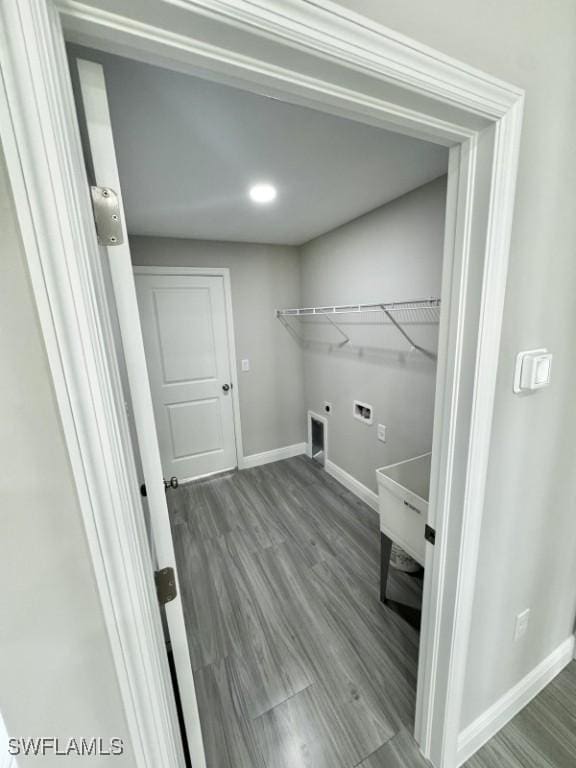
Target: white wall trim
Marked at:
354, 486
379, 77
502, 711
342, 35
277, 454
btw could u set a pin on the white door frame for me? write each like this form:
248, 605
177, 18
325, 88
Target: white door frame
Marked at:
224, 273
321, 55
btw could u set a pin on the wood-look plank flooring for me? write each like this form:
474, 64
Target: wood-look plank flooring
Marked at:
297, 663
542, 735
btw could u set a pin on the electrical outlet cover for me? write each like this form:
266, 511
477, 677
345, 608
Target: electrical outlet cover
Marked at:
522, 620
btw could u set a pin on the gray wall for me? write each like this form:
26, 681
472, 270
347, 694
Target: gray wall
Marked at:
529, 533
528, 546
263, 278
56, 671
391, 254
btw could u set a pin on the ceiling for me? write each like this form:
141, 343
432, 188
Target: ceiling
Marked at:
189, 149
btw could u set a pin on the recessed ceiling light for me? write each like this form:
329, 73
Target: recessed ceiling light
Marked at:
263, 193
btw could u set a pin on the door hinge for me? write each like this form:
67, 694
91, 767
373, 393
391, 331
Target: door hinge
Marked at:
106, 207
430, 534
165, 585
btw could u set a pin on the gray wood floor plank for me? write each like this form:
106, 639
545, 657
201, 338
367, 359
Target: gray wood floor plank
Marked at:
329, 656
542, 735
563, 689
329, 507
400, 752
212, 515
366, 601
374, 631
229, 613
229, 737
551, 729
373, 655
299, 527
509, 749
254, 514
269, 637
305, 731
269, 659
297, 472
208, 634
297, 663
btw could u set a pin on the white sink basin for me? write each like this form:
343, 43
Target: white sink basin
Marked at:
403, 491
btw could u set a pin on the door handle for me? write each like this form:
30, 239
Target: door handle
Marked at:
226, 387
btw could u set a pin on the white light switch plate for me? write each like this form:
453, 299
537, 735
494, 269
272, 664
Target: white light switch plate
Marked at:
532, 370
382, 432
245, 365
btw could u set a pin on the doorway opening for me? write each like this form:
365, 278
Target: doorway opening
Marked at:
239, 341
357, 73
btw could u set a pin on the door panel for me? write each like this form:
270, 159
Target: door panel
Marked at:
186, 356
195, 428
103, 159
185, 336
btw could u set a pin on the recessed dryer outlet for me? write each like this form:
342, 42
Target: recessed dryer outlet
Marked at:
363, 412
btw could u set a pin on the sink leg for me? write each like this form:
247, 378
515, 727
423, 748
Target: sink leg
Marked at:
385, 552
412, 615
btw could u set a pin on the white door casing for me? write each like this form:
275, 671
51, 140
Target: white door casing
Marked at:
326, 57
103, 157
184, 326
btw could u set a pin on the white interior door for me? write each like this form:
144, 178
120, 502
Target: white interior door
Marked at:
100, 138
184, 325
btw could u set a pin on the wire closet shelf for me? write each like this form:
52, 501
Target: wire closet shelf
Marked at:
343, 309
387, 307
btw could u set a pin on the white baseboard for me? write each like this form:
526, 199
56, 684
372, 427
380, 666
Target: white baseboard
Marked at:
501, 712
353, 485
267, 457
